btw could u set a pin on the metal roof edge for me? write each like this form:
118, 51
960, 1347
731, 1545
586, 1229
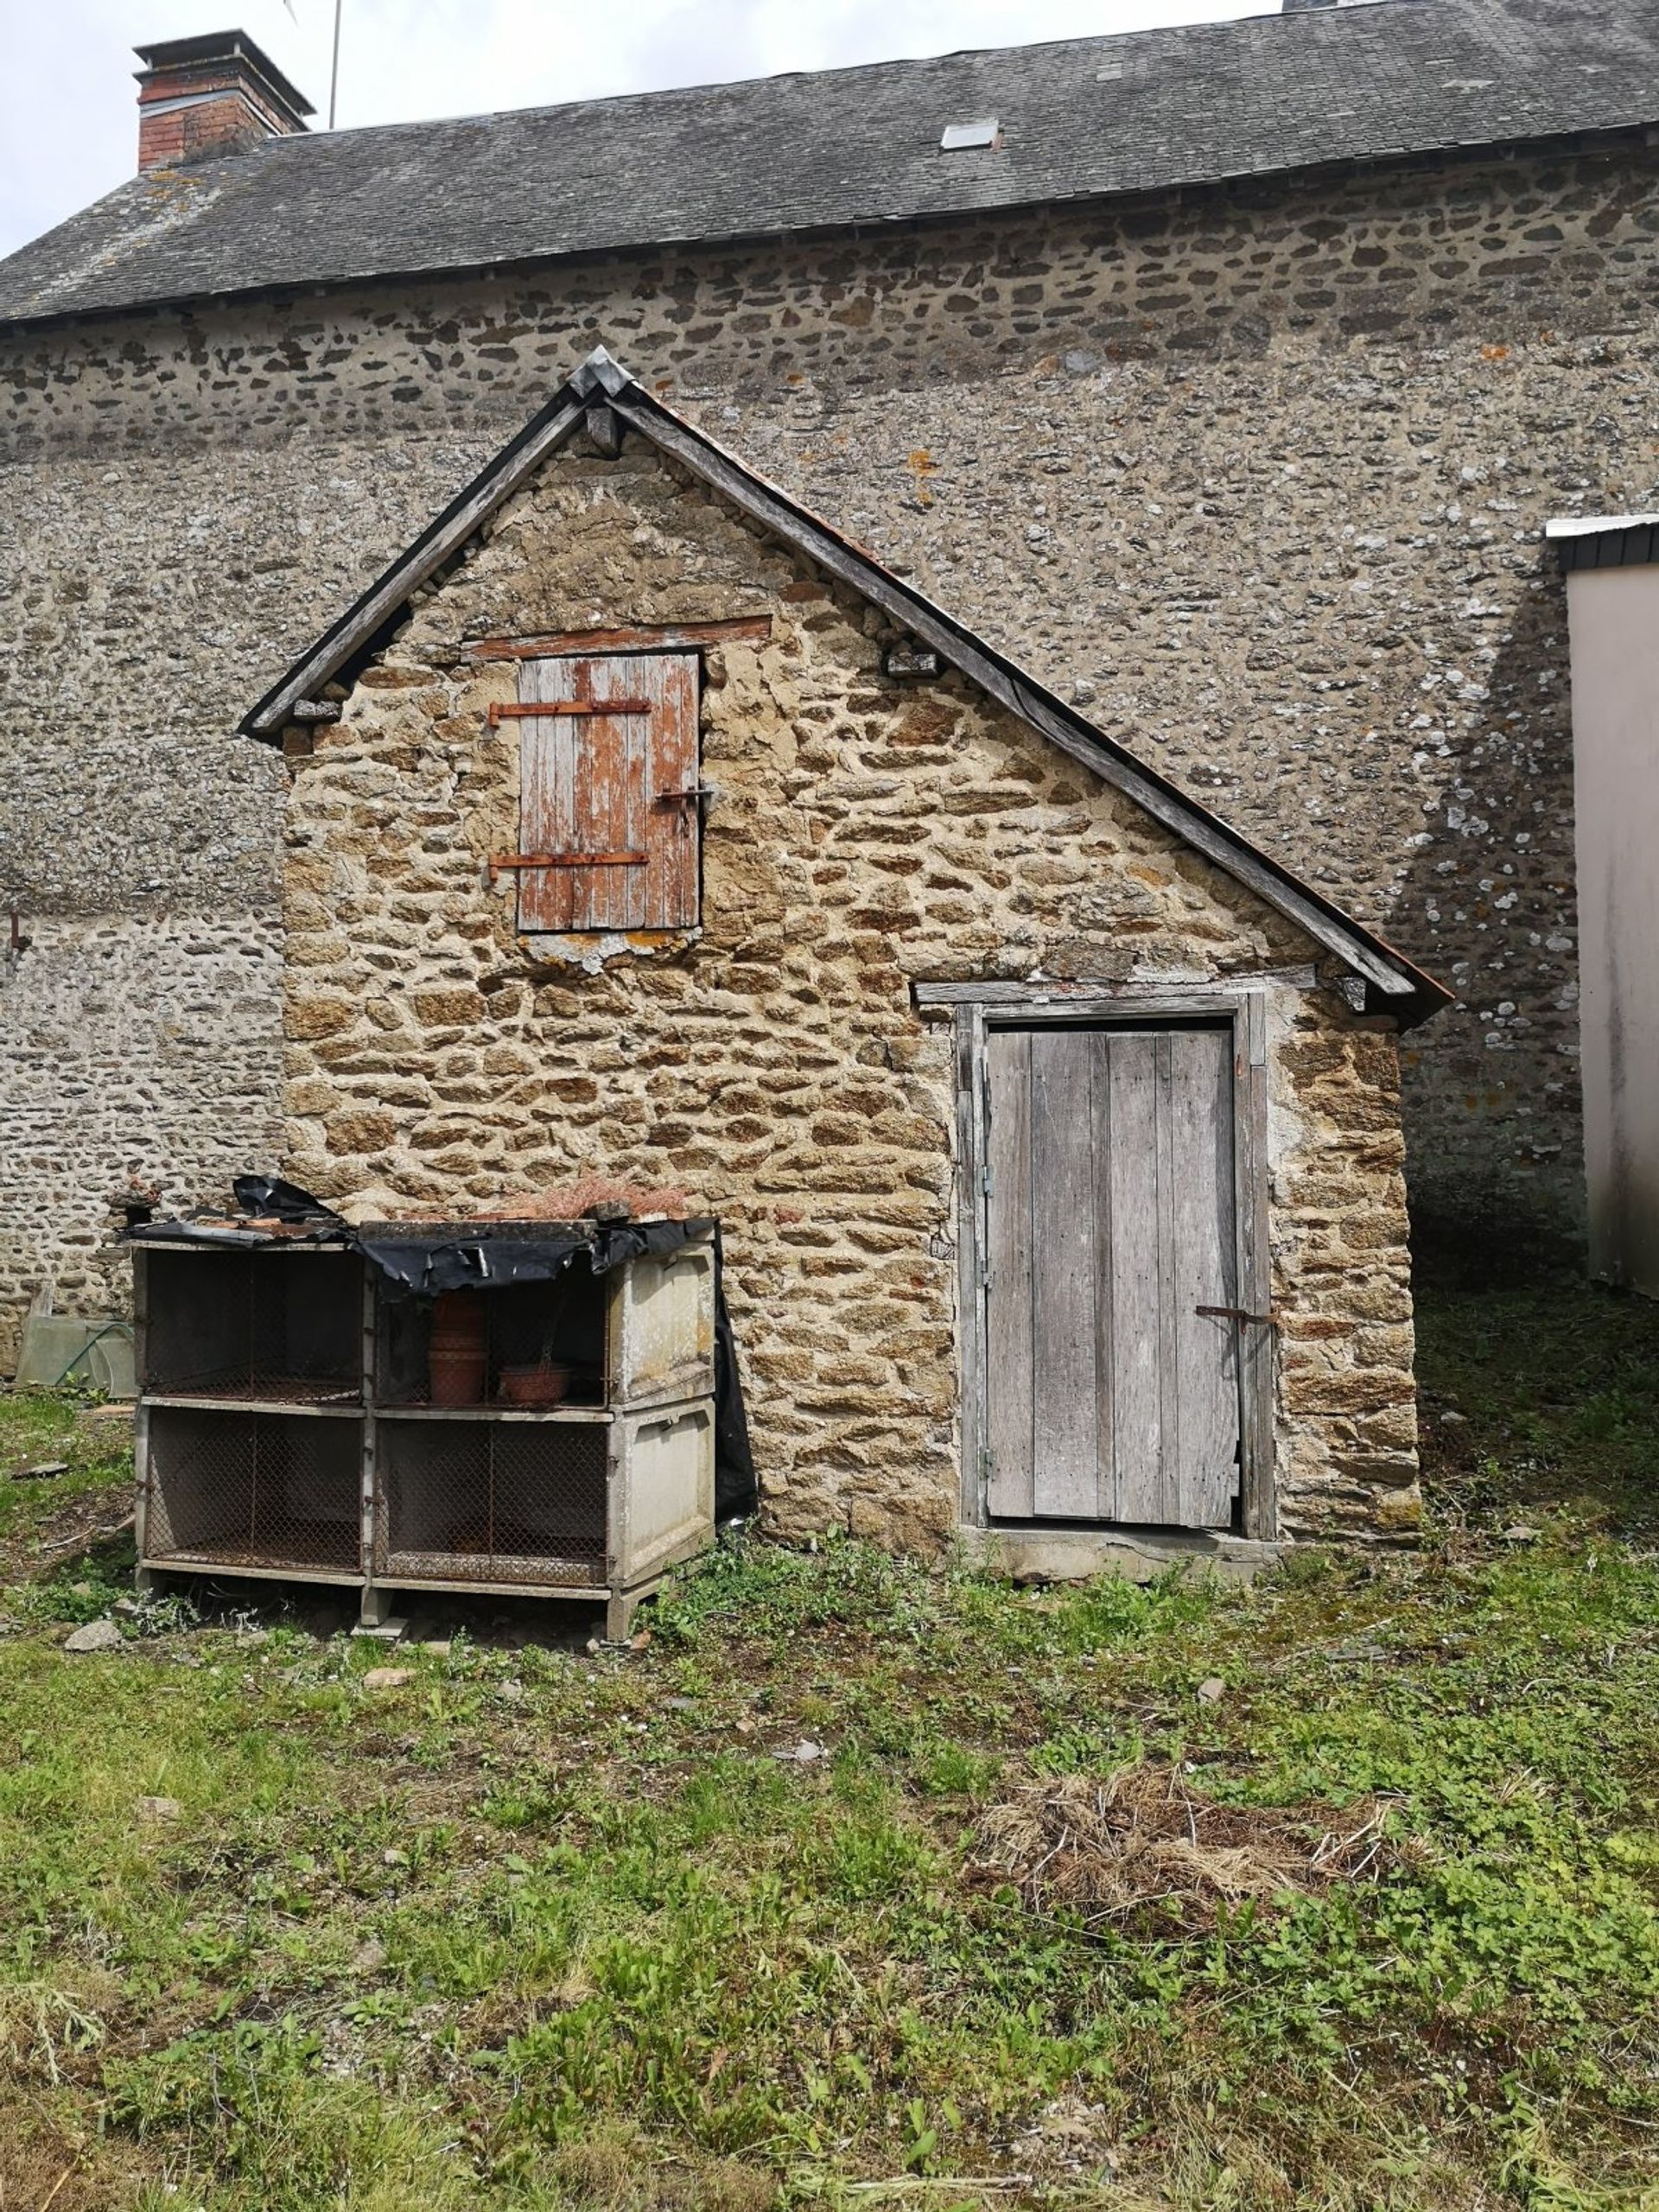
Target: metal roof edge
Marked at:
1604, 541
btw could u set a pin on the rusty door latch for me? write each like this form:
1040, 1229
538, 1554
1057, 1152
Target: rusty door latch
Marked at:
1269, 1321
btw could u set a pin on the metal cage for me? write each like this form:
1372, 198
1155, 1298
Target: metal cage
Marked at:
525, 1329
253, 1492
492, 1501
283, 1327
300, 1415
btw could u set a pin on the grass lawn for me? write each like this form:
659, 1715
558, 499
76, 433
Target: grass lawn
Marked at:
1341, 1892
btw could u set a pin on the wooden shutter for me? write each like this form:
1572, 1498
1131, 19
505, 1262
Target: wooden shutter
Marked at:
1110, 1220
610, 785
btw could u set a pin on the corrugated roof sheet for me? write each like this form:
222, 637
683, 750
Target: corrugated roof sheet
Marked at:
1080, 118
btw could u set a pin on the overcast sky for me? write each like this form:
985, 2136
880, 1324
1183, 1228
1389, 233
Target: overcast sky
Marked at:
68, 128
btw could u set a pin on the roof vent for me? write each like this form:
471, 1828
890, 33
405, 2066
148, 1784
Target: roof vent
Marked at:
964, 137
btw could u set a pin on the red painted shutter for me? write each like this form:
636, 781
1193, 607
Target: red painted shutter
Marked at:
610, 783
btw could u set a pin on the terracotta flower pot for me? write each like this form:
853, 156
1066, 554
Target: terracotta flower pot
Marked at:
458, 1351
547, 1383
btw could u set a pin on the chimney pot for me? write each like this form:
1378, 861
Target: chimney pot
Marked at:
215, 94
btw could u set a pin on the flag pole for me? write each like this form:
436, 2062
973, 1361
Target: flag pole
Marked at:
333, 74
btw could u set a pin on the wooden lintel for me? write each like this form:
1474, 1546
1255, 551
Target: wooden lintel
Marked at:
535, 711
1200, 994
645, 638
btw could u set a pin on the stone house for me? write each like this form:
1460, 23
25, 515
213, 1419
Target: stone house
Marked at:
642, 824
1225, 376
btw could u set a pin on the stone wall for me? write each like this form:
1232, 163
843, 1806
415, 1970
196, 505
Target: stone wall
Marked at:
148, 1055
866, 836
1259, 477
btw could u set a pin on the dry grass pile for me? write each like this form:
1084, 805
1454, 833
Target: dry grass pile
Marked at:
1143, 1851
574, 1201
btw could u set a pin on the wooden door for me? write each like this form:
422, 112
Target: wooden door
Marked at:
1110, 1219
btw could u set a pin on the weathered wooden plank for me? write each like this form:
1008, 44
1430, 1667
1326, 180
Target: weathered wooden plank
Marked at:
1066, 1437
1204, 1272
1256, 1344
609, 798
546, 811
640, 636
1099, 1045
968, 1024
1137, 1391
1010, 1489
1169, 1485
673, 824
1221, 994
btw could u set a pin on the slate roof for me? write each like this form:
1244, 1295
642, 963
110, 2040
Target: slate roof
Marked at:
1389, 983
1081, 118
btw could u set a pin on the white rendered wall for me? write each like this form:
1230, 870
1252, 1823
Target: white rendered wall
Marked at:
1613, 620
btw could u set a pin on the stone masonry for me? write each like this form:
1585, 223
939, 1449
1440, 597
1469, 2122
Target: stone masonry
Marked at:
1258, 476
866, 836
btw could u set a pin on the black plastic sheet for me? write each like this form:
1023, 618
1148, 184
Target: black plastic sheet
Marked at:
426, 1265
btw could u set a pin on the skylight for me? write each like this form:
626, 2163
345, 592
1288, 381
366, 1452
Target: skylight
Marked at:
962, 137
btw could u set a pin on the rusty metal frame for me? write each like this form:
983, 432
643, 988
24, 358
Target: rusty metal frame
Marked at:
524, 710
504, 864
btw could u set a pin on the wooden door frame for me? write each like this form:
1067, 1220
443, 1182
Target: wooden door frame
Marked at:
975, 1008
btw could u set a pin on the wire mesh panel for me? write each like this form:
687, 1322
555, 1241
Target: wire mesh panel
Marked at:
528, 1345
254, 1489
277, 1325
492, 1501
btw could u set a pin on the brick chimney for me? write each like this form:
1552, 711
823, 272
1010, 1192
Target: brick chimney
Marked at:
215, 94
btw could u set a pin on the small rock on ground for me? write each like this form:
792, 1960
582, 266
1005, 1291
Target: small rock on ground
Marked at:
40, 1472
1214, 1690
96, 1636
388, 1678
159, 1808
